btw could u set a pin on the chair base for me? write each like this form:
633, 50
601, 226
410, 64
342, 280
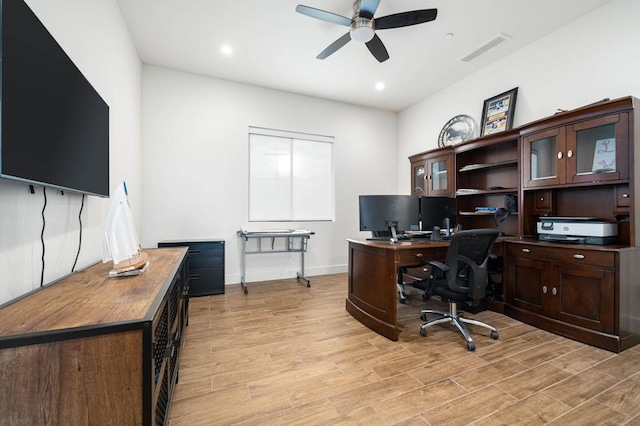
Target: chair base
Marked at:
456, 319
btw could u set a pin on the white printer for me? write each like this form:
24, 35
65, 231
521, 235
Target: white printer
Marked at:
577, 230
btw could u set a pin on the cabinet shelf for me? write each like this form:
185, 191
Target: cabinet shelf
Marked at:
481, 213
483, 166
471, 192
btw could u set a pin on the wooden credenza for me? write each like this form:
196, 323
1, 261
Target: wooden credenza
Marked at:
90, 349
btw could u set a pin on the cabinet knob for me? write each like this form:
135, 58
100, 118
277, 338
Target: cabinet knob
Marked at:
559, 155
569, 154
541, 198
625, 195
526, 250
578, 256
544, 289
554, 291
418, 254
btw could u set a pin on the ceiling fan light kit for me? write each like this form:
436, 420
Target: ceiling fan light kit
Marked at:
362, 30
362, 25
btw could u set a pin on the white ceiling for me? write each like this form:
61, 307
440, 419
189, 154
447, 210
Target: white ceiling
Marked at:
275, 47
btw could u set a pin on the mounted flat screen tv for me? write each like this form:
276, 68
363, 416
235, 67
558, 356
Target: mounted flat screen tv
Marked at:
55, 126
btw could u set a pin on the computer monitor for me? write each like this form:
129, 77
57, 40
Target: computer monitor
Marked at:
437, 211
385, 215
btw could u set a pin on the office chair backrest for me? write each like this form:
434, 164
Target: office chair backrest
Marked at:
467, 259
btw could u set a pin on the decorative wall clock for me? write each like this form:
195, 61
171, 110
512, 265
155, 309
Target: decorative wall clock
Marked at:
459, 129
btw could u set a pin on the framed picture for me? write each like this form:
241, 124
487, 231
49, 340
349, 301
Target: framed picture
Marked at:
497, 112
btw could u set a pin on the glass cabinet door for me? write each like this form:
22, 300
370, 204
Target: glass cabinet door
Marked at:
418, 179
544, 158
440, 178
598, 149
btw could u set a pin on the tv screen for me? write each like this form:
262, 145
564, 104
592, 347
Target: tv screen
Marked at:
55, 126
377, 212
434, 211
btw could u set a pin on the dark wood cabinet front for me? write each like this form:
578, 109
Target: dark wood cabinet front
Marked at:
595, 150
576, 165
574, 286
432, 173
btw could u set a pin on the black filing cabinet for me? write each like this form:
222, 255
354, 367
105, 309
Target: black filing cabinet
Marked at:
206, 265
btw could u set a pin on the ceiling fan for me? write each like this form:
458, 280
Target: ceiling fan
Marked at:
363, 26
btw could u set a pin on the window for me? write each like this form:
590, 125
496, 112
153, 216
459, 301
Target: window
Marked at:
290, 176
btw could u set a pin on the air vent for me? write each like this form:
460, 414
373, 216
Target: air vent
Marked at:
499, 39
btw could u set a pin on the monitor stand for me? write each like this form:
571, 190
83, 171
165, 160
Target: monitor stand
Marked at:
391, 235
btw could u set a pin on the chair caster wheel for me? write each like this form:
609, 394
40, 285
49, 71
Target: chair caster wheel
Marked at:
471, 346
423, 317
494, 335
423, 332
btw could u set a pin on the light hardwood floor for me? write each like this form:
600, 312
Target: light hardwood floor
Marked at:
285, 354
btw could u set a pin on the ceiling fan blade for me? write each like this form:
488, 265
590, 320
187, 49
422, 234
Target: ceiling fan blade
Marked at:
333, 47
405, 19
368, 8
377, 49
323, 15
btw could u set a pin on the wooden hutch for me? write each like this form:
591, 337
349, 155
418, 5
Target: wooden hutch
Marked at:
577, 164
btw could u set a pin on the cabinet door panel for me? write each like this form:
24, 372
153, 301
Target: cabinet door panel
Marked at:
585, 297
525, 284
597, 149
440, 175
418, 175
544, 158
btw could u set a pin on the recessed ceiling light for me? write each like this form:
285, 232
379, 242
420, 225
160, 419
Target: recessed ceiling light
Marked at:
379, 85
226, 50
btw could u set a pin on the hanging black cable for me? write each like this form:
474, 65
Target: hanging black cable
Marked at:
44, 192
80, 239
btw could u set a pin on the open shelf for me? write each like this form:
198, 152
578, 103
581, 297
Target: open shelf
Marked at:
473, 192
482, 166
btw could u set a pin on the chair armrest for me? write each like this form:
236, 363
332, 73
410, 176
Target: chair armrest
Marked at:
477, 279
441, 266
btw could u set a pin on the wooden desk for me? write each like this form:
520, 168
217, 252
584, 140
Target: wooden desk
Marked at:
373, 269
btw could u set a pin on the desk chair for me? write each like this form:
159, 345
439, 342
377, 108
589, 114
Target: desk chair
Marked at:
463, 277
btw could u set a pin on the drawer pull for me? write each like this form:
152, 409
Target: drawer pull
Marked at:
625, 195
194, 277
194, 251
418, 254
578, 256
526, 250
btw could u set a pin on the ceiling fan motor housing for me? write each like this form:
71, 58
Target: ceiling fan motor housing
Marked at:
362, 29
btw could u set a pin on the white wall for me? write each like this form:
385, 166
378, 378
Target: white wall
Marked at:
95, 36
195, 165
590, 59
193, 179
